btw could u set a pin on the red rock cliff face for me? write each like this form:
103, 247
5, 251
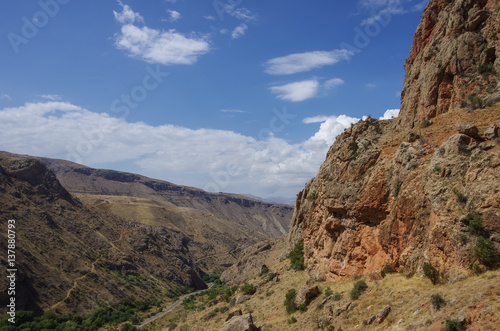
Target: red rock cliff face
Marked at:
455, 54
389, 195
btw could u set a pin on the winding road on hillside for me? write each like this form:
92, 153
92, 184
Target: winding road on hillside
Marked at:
175, 304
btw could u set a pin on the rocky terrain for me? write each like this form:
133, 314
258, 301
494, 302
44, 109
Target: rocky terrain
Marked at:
403, 192
87, 237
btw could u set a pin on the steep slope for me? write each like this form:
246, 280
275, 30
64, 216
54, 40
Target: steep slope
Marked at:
121, 236
454, 60
390, 194
70, 258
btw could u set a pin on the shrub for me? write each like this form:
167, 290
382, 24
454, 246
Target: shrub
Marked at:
396, 187
270, 276
485, 251
460, 196
425, 124
127, 327
476, 102
486, 69
290, 301
377, 127
292, 320
227, 295
475, 223
328, 292
312, 196
172, 326
249, 289
431, 273
359, 287
453, 325
296, 256
264, 270
337, 297
388, 269
437, 301
302, 307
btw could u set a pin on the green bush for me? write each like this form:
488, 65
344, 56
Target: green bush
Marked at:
290, 301
359, 287
486, 69
311, 197
264, 270
453, 325
337, 297
292, 320
249, 289
485, 251
396, 187
460, 196
328, 292
270, 276
431, 273
476, 102
227, 295
475, 223
425, 124
437, 301
296, 257
302, 307
388, 269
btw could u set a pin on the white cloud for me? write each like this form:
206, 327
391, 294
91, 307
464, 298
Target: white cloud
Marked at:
173, 15
157, 46
307, 61
127, 15
390, 113
52, 97
216, 160
331, 127
334, 82
239, 31
382, 10
243, 14
232, 111
370, 85
209, 17
315, 119
297, 91
5, 96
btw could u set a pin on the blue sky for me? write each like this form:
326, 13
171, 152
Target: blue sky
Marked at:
227, 95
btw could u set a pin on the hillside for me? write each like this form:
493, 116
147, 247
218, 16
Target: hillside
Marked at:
88, 236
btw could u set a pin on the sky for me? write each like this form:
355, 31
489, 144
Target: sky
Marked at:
233, 96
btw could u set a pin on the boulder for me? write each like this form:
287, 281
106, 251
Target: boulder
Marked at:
382, 314
240, 323
234, 313
491, 132
467, 129
307, 294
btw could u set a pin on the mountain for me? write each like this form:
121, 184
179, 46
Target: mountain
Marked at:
86, 236
422, 188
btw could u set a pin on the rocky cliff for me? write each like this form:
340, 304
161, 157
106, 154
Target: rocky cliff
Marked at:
454, 60
403, 192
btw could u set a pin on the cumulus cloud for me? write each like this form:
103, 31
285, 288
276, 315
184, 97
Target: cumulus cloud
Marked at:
157, 46
173, 15
216, 160
239, 31
331, 127
297, 91
390, 113
301, 62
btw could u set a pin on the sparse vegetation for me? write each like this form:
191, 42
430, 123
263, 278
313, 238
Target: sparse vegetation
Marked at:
485, 251
292, 320
311, 197
475, 223
359, 287
437, 301
337, 297
377, 127
431, 273
453, 325
302, 307
425, 124
264, 270
476, 102
328, 292
396, 187
296, 256
249, 289
290, 301
388, 269
486, 69
460, 196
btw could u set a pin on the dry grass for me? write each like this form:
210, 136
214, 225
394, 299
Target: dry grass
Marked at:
476, 298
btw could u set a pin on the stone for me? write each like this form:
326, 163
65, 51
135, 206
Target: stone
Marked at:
240, 323
234, 313
377, 275
491, 132
383, 314
306, 294
412, 137
467, 129
242, 298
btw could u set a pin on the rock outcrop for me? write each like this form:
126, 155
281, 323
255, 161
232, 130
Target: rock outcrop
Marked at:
390, 193
240, 323
454, 60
